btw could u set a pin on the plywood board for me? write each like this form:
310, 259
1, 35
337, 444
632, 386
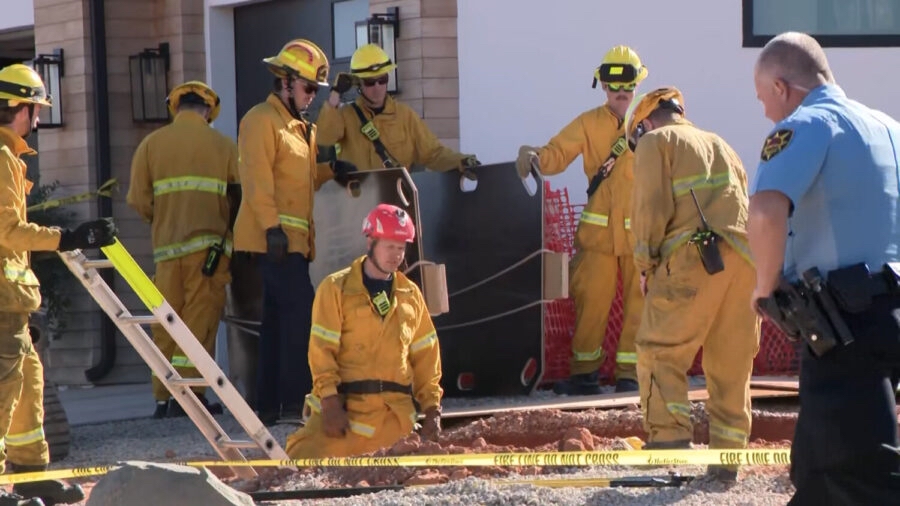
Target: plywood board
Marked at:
602, 401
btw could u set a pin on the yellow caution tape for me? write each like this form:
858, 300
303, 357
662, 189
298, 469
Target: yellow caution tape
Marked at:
744, 457
105, 190
129, 269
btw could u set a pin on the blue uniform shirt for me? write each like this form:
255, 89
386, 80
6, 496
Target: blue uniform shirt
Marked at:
837, 161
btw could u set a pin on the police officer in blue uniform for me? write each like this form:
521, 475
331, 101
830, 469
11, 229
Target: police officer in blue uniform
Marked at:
824, 228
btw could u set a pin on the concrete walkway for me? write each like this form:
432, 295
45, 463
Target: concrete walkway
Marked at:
98, 404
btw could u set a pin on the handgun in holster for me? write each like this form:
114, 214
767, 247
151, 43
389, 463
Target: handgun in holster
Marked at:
707, 243
212, 258
805, 310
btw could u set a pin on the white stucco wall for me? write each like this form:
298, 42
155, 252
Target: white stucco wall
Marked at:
526, 68
17, 14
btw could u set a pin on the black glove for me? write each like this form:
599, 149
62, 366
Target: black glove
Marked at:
342, 170
342, 83
276, 245
467, 163
91, 234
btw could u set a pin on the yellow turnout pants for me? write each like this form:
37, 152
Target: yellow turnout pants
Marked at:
592, 284
686, 308
199, 301
373, 425
21, 395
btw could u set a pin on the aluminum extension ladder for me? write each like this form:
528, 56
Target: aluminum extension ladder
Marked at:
118, 258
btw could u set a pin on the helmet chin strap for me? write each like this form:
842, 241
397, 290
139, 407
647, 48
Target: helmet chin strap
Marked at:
31, 127
368, 102
370, 255
292, 104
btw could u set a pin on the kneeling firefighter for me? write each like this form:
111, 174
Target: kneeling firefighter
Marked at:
373, 351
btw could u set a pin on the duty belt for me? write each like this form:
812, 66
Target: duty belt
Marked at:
373, 387
813, 309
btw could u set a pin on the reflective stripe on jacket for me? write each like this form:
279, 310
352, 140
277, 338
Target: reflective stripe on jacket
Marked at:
19, 290
179, 176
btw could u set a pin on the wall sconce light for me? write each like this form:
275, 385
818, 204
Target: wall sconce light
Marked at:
149, 84
383, 30
50, 67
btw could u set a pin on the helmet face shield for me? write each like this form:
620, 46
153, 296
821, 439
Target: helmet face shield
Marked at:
617, 73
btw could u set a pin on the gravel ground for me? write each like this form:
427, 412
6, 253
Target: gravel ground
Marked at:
755, 490
173, 440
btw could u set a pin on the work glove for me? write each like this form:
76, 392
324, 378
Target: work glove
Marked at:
431, 425
276, 245
334, 417
342, 170
91, 234
342, 83
527, 156
469, 162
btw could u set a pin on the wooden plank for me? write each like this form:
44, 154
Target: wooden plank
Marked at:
602, 401
775, 382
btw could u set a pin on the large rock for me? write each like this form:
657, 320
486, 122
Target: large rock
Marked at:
150, 484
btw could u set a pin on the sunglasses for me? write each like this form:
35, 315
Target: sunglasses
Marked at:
368, 83
620, 86
308, 87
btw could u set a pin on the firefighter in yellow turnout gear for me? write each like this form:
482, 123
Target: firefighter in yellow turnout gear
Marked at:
603, 240
697, 284
401, 137
22, 94
373, 350
180, 174
279, 177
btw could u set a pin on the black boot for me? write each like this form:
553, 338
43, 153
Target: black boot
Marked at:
7, 499
162, 408
214, 408
579, 384
51, 492
175, 409
626, 385
679, 444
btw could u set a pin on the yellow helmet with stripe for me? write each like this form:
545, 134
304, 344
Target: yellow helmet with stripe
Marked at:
370, 61
300, 58
200, 89
621, 64
20, 84
644, 105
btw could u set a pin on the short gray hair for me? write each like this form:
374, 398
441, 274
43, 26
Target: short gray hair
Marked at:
797, 58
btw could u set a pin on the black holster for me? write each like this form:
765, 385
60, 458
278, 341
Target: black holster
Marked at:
812, 308
707, 243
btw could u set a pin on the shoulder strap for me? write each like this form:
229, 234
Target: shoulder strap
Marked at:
368, 129
606, 167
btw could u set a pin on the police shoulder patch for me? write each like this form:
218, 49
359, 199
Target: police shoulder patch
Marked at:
776, 143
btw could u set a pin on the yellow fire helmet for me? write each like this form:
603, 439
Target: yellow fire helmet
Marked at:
644, 105
209, 97
621, 64
20, 84
300, 58
370, 61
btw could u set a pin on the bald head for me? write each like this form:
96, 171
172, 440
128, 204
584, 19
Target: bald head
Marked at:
796, 58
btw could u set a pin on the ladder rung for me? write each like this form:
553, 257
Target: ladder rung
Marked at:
97, 264
233, 443
139, 320
190, 382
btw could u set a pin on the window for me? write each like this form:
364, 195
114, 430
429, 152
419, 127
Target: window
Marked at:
834, 23
344, 16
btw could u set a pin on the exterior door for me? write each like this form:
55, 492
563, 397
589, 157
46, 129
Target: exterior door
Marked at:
261, 29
